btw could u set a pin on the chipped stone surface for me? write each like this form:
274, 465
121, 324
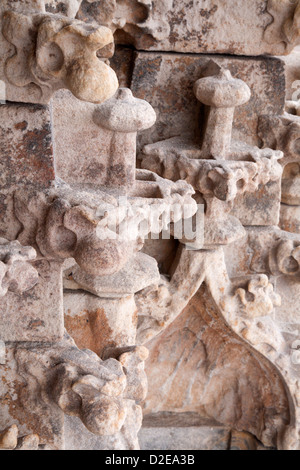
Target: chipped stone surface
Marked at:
254, 27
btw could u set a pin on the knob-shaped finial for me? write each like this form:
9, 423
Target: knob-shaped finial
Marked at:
222, 93
124, 113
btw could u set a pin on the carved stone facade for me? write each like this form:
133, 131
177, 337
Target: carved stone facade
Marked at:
150, 225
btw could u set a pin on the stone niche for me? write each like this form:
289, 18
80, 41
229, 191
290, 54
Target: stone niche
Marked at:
121, 119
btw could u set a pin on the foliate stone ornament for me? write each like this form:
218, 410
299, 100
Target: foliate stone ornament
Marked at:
101, 393
93, 228
62, 53
284, 30
259, 299
16, 272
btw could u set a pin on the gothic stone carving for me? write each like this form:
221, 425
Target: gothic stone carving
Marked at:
44, 52
232, 354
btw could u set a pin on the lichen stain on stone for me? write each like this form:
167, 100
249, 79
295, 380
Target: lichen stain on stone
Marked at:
36, 154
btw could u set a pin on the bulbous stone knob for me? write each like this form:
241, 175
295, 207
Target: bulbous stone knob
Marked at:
222, 93
124, 113
120, 118
222, 90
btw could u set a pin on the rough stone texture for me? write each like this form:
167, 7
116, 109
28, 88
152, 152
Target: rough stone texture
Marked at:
254, 27
172, 78
186, 373
26, 157
189, 438
97, 323
35, 315
26, 146
18, 403
218, 304
17, 275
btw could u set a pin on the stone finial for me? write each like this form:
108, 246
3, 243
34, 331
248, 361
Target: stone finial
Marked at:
16, 274
125, 113
222, 93
122, 117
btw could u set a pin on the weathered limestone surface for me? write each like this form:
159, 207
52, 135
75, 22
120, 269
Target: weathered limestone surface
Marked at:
187, 373
110, 312
251, 27
98, 323
172, 78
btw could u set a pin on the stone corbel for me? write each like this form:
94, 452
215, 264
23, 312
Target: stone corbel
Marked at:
16, 273
53, 52
218, 181
94, 228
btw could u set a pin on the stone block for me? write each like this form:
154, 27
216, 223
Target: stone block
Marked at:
261, 208
20, 406
97, 324
27, 158
36, 315
26, 146
167, 81
184, 438
251, 27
